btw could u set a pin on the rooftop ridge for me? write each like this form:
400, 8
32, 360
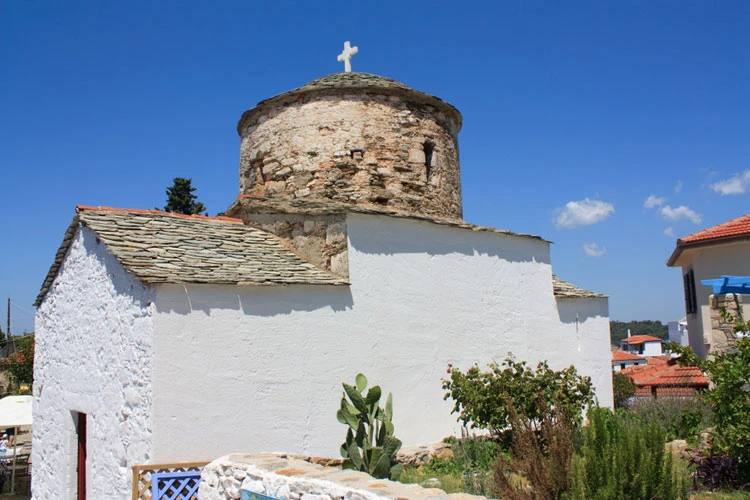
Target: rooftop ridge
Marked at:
223, 218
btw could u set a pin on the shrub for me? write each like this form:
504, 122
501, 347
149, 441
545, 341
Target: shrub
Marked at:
539, 464
681, 418
729, 397
623, 389
482, 399
712, 470
624, 458
370, 445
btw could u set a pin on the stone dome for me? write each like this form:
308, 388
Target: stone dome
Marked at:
354, 138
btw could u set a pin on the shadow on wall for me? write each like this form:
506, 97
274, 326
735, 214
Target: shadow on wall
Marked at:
570, 310
376, 234
263, 301
125, 285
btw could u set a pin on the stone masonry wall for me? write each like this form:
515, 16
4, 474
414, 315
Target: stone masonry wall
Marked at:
320, 240
288, 478
355, 147
723, 338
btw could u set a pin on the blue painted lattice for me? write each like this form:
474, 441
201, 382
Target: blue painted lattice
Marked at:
175, 485
729, 284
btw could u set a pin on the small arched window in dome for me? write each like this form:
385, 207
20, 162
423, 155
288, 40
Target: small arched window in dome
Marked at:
257, 165
429, 149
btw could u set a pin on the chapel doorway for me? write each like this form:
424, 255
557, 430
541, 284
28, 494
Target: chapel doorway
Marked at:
81, 462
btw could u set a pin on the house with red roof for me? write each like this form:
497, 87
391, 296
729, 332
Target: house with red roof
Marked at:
622, 360
642, 345
719, 250
663, 377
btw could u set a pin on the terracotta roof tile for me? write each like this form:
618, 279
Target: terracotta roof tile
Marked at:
161, 247
734, 227
639, 339
619, 356
726, 231
660, 374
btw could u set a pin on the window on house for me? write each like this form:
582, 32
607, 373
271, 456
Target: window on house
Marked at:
691, 302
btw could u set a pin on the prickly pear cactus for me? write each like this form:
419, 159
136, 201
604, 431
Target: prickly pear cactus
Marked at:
370, 445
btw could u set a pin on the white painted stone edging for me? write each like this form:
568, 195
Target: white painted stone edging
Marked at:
294, 479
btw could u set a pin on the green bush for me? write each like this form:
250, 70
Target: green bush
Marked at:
729, 397
468, 470
681, 418
623, 389
623, 458
483, 399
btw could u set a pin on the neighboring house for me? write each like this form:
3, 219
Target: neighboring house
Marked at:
622, 360
642, 345
169, 338
723, 249
663, 377
678, 332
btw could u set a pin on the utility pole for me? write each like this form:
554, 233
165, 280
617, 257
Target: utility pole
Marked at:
7, 333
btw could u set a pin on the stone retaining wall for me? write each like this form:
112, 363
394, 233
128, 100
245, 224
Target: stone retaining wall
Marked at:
286, 477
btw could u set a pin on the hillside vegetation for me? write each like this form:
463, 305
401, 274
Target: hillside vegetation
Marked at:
619, 330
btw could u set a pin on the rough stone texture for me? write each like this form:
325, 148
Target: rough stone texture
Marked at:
94, 354
290, 478
419, 455
722, 337
320, 240
357, 139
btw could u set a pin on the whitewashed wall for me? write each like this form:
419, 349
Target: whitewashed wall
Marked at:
94, 334
260, 368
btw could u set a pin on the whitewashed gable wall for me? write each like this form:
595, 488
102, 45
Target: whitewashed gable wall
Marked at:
94, 334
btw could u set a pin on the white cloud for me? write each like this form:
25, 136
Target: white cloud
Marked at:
654, 201
593, 250
681, 212
582, 213
669, 232
734, 185
678, 187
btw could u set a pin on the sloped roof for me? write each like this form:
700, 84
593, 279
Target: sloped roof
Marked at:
566, 290
161, 247
263, 205
353, 80
665, 374
639, 339
620, 356
735, 229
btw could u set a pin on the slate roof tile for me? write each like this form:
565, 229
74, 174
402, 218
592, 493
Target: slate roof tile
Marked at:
161, 247
567, 290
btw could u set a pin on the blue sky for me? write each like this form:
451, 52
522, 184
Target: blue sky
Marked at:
575, 113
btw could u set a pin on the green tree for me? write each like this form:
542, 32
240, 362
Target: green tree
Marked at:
180, 198
623, 389
619, 330
487, 399
20, 364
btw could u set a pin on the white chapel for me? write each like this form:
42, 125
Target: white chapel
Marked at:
171, 338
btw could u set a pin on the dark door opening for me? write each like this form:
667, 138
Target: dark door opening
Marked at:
81, 456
